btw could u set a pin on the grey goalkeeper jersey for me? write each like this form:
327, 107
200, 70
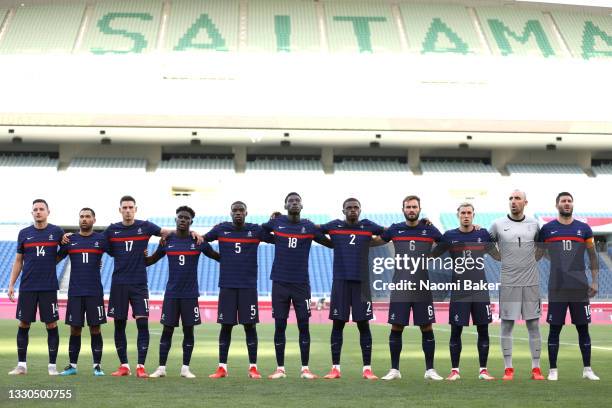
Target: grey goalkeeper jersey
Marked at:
516, 241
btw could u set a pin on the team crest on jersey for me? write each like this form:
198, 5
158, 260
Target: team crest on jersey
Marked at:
424, 232
479, 240
303, 230
456, 317
361, 226
51, 237
192, 246
250, 234
220, 316
392, 316
96, 244
335, 312
579, 232
139, 231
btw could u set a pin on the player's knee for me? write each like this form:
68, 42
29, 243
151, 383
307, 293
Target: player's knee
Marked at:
303, 324
426, 328
24, 325
338, 325
582, 329
168, 329
249, 327
95, 330
51, 325
397, 328
363, 325
280, 324
75, 331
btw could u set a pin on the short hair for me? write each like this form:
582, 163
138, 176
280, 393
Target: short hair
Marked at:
40, 200
187, 209
238, 202
563, 194
410, 198
465, 204
350, 199
88, 209
127, 198
290, 194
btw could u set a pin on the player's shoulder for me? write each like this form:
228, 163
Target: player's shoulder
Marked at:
225, 225
26, 230
248, 225
430, 227
530, 220
582, 226
337, 223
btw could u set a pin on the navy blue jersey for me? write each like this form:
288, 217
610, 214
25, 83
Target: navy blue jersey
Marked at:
292, 243
183, 257
127, 245
238, 251
566, 245
39, 248
467, 249
351, 247
85, 256
412, 245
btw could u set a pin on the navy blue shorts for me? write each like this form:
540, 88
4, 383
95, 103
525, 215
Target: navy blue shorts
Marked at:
79, 306
422, 313
47, 306
122, 296
579, 311
238, 305
185, 309
347, 295
459, 313
284, 293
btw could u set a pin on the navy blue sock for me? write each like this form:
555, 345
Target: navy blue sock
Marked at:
142, 341
483, 344
584, 341
225, 339
121, 340
280, 326
251, 341
165, 342
365, 341
553, 344
96, 347
336, 341
455, 345
22, 343
53, 343
395, 347
74, 348
304, 338
188, 343
429, 348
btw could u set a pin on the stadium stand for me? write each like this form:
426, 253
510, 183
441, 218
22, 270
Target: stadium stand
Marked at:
8, 250
363, 27
455, 166
285, 164
545, 169
440, 28
604, 169
484, 219
517, 31
282, 26
195, 26
369, 164
121, 27
27, 160
192, 163
42, 29
108, 163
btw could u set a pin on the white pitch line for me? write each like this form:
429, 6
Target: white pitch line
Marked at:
527, 339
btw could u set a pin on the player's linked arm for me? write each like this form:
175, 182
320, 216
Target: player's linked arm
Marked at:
594, 266
323, 240
150, 260
438, 250
212, 254
377, 241
17, 266
494, 252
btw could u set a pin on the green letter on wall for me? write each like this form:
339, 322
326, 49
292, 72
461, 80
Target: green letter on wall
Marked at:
361, 27
431, 39
140, 43
501, 31
282, 29
203, 22
588, 41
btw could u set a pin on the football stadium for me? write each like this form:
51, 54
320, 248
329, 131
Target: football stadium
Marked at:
306, 202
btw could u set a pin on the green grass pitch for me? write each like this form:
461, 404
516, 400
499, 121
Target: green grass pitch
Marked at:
349, 391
